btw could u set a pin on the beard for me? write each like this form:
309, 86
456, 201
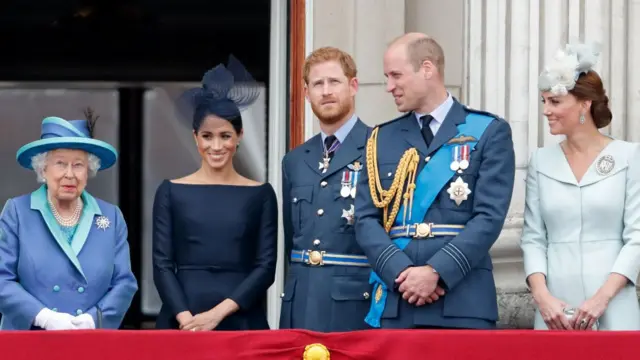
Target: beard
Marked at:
331, 114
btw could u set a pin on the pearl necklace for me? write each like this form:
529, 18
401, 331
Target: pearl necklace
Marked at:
68, 221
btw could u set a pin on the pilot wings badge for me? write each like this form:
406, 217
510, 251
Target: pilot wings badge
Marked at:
462, 139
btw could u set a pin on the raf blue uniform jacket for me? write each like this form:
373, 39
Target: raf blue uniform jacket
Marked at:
330, 297
462, 261
40, 269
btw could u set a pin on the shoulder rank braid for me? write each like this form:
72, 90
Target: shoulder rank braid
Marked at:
405, 175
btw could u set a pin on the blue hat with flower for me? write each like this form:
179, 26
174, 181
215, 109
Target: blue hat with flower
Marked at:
58, 133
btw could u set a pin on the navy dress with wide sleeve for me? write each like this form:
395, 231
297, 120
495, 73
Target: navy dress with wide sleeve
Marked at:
213, 242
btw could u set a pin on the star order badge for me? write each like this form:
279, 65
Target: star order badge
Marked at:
459, 191
349, 214
102, 222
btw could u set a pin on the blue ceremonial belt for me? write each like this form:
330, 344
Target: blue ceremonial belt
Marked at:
424, 230
321, 258
431, 180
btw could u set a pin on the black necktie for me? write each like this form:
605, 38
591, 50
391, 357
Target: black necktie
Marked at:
427, 134
330, 145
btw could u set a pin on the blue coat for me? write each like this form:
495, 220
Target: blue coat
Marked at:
39, 268
327, 297
461, 259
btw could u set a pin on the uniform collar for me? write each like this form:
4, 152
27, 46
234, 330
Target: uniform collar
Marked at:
343, 131
439, 113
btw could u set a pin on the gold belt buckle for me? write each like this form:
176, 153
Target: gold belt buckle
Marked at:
423, 230
315, 258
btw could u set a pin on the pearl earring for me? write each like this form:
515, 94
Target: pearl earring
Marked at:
581, 118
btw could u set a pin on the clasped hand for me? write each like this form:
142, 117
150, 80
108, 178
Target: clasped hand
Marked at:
419, 285
51, 320
552, 312
205, 321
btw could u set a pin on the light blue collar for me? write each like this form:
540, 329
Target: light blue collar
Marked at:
39, 201
89, 211
344, 130
438, 113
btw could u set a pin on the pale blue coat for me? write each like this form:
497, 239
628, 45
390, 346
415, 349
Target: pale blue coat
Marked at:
577, 233
39, 268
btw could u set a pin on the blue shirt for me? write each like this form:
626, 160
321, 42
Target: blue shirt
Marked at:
343, 131
438, 114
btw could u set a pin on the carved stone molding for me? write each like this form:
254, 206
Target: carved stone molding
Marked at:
516, 309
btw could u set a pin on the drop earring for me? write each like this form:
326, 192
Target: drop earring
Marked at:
581, 118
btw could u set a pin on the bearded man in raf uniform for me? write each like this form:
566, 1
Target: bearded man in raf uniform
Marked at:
327, 287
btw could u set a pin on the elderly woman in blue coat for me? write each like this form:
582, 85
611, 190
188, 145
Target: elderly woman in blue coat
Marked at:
64, 256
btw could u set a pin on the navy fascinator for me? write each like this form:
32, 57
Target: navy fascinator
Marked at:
225, 92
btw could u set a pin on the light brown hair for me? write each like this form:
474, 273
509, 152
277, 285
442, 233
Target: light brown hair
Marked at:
329, 53
426, 49
589, 87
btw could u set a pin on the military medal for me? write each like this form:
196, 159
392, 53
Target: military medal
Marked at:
348, 215
346, 184
355, 167
354, 185
464, 157
324, 164
460, 156
459, 191
455, 162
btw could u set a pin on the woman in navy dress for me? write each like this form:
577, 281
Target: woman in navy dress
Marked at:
215, 231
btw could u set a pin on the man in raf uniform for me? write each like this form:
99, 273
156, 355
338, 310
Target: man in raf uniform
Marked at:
327, 286
437, 191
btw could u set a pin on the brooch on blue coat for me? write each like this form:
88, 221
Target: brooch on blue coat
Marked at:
102, 222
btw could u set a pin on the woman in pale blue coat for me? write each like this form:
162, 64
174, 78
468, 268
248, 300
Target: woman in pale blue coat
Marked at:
581, 236
64, 256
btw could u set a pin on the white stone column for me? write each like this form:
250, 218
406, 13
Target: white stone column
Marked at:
363, 28
507, 44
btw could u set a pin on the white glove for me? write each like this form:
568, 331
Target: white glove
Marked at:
84, 321
51, 320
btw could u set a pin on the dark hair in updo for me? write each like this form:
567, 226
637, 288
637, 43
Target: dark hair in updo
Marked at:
225, 91
589, 87
207, 107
